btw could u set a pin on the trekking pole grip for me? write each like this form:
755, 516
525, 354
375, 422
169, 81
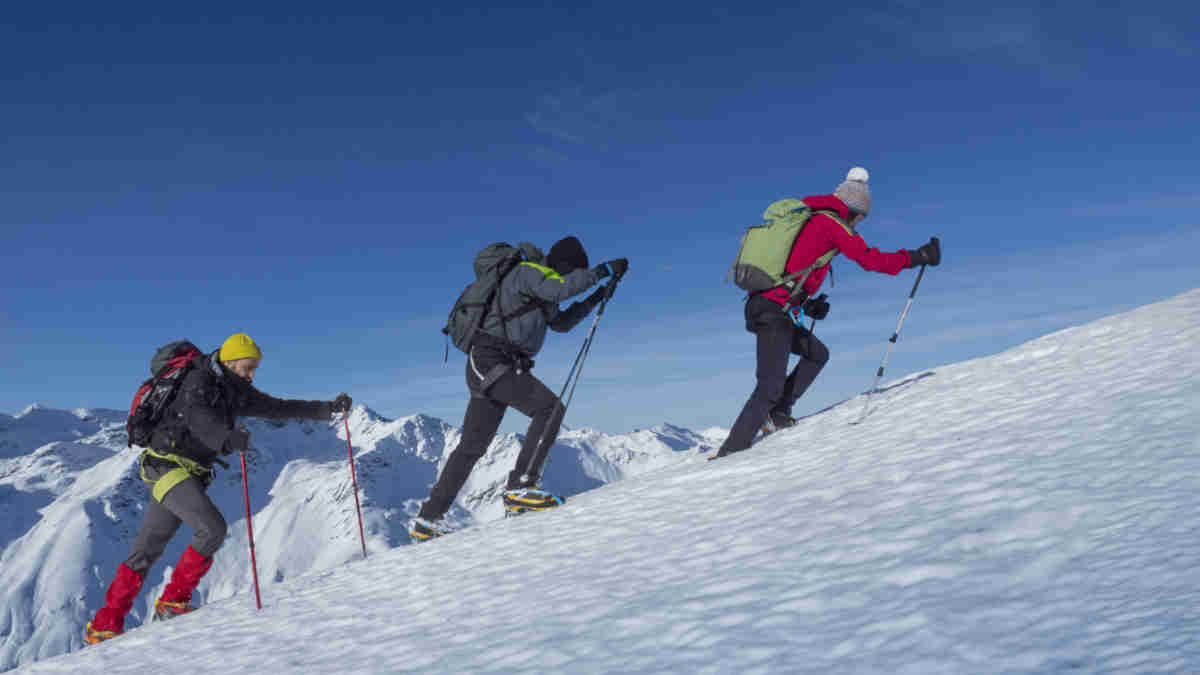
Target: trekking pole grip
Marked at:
609, 289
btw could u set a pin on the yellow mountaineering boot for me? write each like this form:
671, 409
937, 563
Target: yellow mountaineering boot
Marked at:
529, 499
94, 637
421, 530
164, 609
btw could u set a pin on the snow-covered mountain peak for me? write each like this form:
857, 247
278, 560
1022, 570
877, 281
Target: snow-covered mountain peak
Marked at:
37, 425
40, 415
30, 409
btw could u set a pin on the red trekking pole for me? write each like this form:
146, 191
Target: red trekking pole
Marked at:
354, 482
250, 531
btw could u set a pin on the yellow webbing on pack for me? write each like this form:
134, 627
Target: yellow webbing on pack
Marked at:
187, 468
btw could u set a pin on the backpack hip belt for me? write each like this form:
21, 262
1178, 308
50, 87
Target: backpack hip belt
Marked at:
185, 468
513, 360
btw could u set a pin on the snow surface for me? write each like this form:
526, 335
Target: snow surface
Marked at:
71, 502
1037, 511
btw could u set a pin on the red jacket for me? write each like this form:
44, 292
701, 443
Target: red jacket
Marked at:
822, 233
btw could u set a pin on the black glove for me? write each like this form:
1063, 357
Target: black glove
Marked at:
929, 254
617, 268
341, 404
237, 441
596, 297
818, 307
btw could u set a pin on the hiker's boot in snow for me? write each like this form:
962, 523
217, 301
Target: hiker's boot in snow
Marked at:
420, 530
520, 500
177, 596
94, 637
723, 452
164, 609
109, 621
776, 421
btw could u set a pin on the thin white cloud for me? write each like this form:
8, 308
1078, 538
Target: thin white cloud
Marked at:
1009, 29
1122, 207
1013, 34
576, 118
1016, 35
547, 157
1157, 33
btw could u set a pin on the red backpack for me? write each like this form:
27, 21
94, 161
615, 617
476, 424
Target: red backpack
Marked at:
168, 368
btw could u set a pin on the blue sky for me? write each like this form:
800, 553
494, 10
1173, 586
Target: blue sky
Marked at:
322, 182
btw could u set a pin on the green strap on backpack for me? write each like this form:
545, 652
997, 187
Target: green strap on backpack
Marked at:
762, 258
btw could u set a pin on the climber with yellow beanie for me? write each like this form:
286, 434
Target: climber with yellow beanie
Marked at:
196, 428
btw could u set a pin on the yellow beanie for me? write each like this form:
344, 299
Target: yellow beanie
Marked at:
239, 346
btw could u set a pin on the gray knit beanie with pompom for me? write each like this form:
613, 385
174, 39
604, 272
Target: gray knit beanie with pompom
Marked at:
854, 192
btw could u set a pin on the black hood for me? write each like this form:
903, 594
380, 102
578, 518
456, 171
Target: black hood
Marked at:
567, 255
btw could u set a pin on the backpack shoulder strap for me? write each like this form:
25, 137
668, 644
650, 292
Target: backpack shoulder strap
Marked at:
546, 271
790, 281
833, 215
532, 304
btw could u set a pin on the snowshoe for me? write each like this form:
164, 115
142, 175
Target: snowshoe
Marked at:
521, 500
420, 530
92, 636
164, 609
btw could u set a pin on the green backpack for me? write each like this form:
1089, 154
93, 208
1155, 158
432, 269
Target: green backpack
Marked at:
763, 255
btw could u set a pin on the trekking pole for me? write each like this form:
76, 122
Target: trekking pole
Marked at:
891, 343
250, 531
587, 344
579, 359
354, 482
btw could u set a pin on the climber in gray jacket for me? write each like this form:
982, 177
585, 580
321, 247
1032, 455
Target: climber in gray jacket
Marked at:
498, 375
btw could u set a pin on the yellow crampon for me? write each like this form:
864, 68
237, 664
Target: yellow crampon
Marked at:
520, 501
164, 610
94, 637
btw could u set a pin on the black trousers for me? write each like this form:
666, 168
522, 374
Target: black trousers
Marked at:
777, 391
516, 387
185, 503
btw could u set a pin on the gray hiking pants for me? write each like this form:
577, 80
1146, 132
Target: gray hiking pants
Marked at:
777, 339
490, 398
185, 503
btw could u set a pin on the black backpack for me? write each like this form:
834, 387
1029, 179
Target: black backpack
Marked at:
492, 264
168, 368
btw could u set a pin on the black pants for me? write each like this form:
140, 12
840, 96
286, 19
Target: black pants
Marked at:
777, 391
185, 503
517, 387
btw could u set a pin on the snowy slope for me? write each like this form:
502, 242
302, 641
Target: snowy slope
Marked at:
71, 502
1032, 512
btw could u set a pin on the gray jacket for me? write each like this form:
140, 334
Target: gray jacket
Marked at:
534, 283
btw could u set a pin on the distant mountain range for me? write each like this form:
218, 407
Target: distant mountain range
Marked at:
71, 502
